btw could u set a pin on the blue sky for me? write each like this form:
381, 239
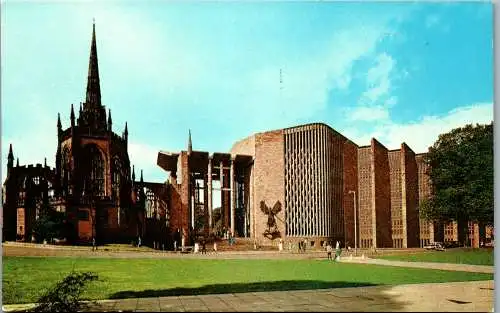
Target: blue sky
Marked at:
394, 71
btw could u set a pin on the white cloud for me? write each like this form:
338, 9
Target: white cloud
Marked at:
422, 133
391, 102
376, 113
305, 83
378, 79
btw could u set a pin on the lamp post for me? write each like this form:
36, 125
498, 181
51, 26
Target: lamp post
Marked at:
355, 224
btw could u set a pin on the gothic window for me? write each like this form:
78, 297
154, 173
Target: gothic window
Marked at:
151, 204
94, 181
38, 206
117, 172
36, 180
65, 168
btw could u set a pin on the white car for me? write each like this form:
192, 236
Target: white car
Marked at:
438, 246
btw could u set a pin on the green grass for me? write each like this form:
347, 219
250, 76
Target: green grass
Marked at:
459, 255
26, 278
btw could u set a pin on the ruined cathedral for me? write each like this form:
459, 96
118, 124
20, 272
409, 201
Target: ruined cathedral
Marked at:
92, 182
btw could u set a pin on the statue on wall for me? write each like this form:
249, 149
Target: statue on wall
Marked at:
272, 231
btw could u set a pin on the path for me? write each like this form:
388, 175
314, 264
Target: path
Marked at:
428, 265
474, 296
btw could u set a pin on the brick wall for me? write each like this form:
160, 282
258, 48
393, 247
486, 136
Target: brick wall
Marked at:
350, 168
365, 197
245, 146
396, 198
21, 224
410, 199
268, 177
381, 196
179, 196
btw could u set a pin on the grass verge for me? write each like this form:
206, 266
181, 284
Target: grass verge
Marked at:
458, 256
26, 278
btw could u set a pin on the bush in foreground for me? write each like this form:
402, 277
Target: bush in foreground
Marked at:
65, 296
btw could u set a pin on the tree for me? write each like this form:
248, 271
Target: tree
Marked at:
49, 225
461, 172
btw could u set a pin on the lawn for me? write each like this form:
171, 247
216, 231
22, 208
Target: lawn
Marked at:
25, 278
459, 255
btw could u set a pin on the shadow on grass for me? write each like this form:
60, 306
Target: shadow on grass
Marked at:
283, 285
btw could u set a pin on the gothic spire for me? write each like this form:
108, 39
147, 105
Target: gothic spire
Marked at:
93, 99
142, 180
125, 133
10, 158
110, 121
59, 125
17, 162
72, 116
190, 144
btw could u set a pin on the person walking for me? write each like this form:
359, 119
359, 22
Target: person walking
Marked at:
215, 246
337, 250
203, 246
94, 247
329, 250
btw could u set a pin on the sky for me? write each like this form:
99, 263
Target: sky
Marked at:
399, 72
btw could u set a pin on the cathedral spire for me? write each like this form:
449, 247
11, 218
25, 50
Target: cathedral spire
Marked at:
10, 158
93, 99
125, 132
133, 173
110, 121
72, 116
59, 125
142, 180
190, 144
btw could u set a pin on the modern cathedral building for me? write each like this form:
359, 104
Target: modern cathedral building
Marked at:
311, 183
307, 182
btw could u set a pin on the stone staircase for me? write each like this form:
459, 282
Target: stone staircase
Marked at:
240, 244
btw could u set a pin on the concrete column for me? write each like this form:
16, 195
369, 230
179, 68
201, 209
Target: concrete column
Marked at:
233, 193
222, 204
209, 188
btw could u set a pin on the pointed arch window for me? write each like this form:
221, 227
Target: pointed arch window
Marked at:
117, 173
94, 181
65, 168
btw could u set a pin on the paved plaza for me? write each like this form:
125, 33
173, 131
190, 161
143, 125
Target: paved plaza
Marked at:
474, 296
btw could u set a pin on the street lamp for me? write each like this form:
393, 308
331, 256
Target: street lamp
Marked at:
355, 224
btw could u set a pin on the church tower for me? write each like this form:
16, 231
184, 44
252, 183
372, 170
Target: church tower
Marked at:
92, 163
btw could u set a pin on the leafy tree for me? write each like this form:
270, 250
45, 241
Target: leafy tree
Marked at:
461, 172
49, 225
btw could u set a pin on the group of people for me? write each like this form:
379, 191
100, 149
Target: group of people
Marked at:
302, 245
329, 251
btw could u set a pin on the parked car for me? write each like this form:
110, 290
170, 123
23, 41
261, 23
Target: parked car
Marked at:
438, 246
430, 246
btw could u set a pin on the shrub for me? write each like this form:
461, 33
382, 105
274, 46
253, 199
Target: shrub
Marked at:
65, 296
